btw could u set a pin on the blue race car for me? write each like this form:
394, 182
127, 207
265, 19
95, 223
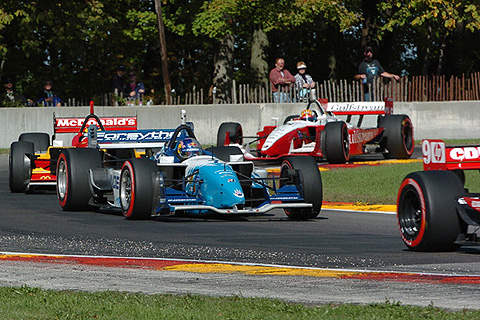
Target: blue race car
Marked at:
177, 176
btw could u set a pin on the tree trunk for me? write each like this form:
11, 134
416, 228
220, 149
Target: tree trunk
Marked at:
163, 47
370, 28
223, 69
258, 61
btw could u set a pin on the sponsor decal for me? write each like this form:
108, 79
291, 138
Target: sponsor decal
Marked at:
465, 153
105, 136
475, 204
433, 151
108, 122
115, 181
361, 136
238, 193
356, 107
45, 178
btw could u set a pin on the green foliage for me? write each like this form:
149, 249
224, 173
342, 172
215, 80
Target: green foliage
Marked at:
78, 44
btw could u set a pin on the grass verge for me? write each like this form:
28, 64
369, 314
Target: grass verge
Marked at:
33, 303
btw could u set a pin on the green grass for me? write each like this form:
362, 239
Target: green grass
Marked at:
33, 303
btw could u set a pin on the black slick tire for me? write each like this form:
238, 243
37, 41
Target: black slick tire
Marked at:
137, 188
397, 136
73, 186
336, 147
311, 183
40, 140
426, 214
19, 163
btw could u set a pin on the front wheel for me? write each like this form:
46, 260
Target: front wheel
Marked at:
336, 144
137, 188
311, 184
73, 186
426, 213
397, 136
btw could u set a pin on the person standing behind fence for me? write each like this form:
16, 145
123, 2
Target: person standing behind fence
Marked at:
368, 70
281, 80
304, 83
118, 82
134, 90
10, 98
48, 97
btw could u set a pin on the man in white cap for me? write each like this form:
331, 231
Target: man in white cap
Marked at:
304, 83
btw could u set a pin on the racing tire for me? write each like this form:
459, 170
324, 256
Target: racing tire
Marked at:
40, 140
311, 183
224, 152
19, 164
336, 148
73, 185
291, 117
426, 213
235, 132
397, 136
137, 188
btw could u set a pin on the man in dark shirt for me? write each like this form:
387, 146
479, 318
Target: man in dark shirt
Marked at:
118, 81
369, 69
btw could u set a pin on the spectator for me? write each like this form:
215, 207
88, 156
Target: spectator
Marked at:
281, 80
47, 97
9, 97
134, 90
118, 81
304, 83
368, 70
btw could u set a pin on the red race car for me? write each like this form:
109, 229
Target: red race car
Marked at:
319, 132
33, 159
434, 209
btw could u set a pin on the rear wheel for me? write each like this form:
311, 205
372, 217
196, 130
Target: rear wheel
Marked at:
73, 188
311, 184
40, 140
234, 131
336, 145
20, 170
426, 214
397, 136
137, 188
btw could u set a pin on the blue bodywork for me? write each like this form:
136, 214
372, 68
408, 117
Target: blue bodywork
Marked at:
204, 184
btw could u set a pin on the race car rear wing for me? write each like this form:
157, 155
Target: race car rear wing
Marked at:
358, 108
75, 125
438, 156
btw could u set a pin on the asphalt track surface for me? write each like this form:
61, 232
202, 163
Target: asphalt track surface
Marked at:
343, 242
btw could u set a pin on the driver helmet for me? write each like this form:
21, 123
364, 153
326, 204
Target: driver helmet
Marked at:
189, 147
308, 115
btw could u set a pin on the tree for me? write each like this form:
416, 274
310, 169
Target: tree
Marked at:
436, 21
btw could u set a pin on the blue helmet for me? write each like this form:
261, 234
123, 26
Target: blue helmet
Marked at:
188, 147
